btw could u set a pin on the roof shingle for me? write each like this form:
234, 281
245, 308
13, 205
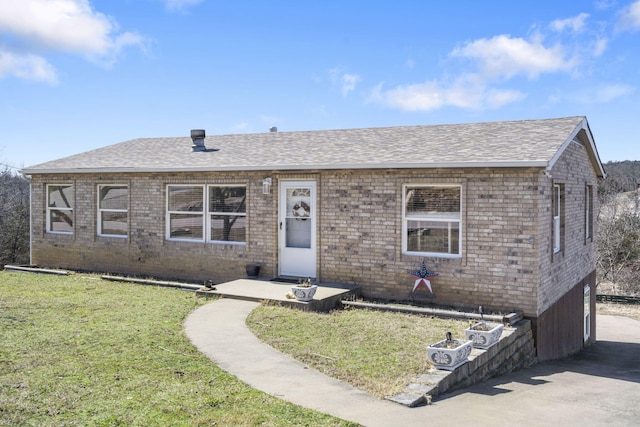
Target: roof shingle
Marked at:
513, 143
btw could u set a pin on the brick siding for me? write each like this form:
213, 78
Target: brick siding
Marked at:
506, 260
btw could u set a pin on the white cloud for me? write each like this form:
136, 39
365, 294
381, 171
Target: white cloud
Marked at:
496, 59
69, 26
180, 5
413, 97
349, 82
609, 92
599, 46
600, 94
484, 65
575, 24
497, 98
604, 4
467, 92
629, 17
28, 67
346, 81
504, 56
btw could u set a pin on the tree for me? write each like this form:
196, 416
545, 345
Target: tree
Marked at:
618, 240
14, 218
622, 176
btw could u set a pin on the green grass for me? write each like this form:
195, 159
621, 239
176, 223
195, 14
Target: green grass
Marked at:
79, 351
378, 352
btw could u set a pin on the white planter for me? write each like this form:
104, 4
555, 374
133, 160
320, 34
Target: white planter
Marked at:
304, 294
484, 334
449, 358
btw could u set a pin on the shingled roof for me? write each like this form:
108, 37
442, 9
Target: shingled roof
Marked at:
525, 143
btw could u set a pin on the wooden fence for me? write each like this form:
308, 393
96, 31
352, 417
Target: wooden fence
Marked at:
619, 299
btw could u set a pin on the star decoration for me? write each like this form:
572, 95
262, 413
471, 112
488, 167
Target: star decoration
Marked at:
422, 278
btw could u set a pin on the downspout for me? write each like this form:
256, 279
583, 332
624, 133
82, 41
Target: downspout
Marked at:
28, 179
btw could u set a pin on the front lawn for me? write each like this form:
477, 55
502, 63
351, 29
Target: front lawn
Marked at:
377, 352
80, 351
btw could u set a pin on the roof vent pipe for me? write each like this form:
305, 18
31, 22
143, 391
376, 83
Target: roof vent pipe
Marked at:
197, 136
273, 129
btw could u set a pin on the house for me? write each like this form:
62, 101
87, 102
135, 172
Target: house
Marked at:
503, 212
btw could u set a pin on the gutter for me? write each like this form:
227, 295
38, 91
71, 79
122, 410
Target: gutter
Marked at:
333, 166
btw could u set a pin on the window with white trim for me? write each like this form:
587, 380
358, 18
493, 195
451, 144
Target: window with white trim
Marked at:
185, 212
227, 213
587, 312
557, 217
217, 215
60, 201
113, 210
588, 212
432, 220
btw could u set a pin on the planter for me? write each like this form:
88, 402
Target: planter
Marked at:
253, 270
448, 355
304, 293
484, 334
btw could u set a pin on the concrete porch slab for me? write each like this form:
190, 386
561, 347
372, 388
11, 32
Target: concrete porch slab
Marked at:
326, 298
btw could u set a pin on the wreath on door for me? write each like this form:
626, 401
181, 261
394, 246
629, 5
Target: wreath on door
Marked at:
301, 211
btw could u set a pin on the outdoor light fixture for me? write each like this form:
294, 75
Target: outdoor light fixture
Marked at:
266, 186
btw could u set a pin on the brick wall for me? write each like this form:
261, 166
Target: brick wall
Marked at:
498, 267
505, 246
559, 272
146, 251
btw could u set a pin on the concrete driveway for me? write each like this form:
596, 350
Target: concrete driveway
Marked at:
598, 387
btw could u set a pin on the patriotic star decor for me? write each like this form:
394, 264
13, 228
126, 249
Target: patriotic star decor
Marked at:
422, 278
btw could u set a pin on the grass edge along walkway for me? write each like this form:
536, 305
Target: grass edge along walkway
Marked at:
78, 350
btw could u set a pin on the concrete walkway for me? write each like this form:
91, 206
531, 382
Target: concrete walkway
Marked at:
598, 387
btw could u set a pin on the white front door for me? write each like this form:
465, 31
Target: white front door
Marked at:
297, 236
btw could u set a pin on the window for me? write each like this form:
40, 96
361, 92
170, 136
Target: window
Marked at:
221, 217
60, 200
185, 214
431, 220
113, 202
556, 218
587, 312
588, 212
558, 199
227, 213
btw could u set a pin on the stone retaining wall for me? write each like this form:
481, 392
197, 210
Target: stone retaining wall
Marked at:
514, 351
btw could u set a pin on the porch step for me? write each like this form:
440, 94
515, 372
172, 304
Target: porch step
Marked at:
327, 297
513, 351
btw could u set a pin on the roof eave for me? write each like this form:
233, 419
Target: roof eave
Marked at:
591, 148
332, 166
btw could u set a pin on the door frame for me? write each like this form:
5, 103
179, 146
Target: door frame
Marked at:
297, 262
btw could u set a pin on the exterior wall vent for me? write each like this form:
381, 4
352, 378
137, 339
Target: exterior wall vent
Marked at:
197, 136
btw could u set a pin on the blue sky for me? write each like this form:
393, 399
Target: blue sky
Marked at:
77, 75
